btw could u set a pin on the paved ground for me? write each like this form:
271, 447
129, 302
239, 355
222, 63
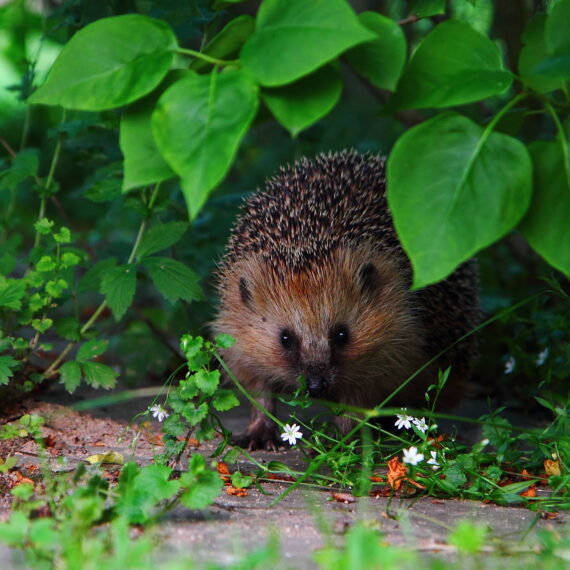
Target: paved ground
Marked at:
304, 521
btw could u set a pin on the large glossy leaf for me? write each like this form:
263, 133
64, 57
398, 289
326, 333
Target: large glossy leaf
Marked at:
382, 59
547, 223
198, 125
109, 63
453, 65
143, 163
301, 104
534, 54
227, 42
292, 38
453, 189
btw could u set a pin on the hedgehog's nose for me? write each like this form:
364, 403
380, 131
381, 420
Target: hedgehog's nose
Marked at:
317, 385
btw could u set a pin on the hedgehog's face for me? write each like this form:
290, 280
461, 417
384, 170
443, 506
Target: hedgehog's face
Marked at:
332, 323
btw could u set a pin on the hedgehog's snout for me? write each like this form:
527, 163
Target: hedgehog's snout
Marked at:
317, 383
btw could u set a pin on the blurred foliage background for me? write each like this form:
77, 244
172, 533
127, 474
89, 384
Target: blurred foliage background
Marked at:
519, 352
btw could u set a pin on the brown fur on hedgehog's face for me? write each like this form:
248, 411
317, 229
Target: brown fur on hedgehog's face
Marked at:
338, 323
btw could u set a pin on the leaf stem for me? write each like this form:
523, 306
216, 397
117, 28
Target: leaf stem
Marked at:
49, 180
205, 57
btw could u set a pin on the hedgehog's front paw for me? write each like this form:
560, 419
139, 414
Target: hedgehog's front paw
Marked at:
260, 434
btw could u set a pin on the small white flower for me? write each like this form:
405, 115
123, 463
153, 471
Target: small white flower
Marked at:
412, 456
433, 461
404, 420
421, 424
510, 364
158, 412
291, 434
541, 358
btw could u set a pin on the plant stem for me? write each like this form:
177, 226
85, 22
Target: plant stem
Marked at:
49, 180
205, 57
53, 368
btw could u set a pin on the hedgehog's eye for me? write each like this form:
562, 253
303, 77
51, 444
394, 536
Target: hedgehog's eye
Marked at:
287, 339
339, 336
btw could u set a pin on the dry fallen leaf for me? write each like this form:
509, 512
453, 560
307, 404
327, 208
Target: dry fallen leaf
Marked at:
396, 473
281, 477
236, 492
109, 457
530, 492
376, 479
223, 469
552, 467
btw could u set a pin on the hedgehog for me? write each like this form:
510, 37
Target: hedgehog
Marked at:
314, 283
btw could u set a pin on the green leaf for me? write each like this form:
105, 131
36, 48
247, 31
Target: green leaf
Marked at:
240, 480
11, 293
68, 328
14, 531
109, 63
195, 414
427, 8
453, 65
224, 401
557, 26
454, 188
63, 236
173, 279
6, 365
118, 285
160, 237
42, 325
70, 375
44, 226
98, 375
546, 225
45, 264
140, 491
24, 165
201, 486
198, 125
301, 104
227, 42
533, 54
292, 38
468, 537
144, 164
224, 340
382, 59
91, 281
69, 259
207, 381
91, 349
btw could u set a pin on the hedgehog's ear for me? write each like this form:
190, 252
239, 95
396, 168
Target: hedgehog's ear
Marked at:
244, 292
368, 277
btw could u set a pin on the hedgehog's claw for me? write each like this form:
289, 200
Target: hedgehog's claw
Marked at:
260, 434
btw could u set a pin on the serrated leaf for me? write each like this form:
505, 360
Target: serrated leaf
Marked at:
225, 401
546, 225
207, 382
292, 38
91, 349
109, 63
195, 414
7, 363
200, 488
91, 281
224, 340
118, 284
24, 165
173, 279
382, 59
161, 237
198, 125
70, 375
453, 65
299, 105
454, 188
11, 293
98, 375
